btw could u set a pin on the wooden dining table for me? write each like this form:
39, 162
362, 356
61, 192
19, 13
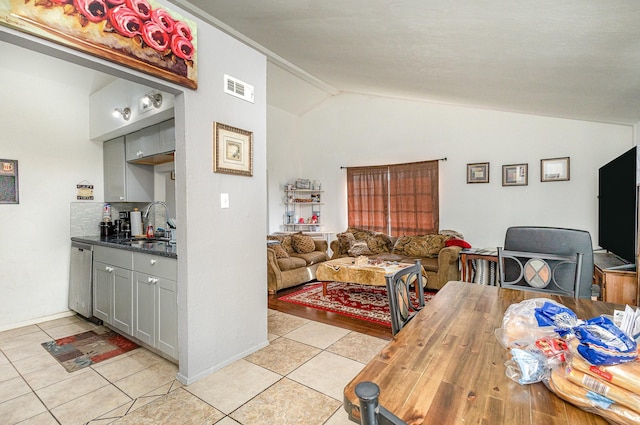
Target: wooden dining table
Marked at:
447, 367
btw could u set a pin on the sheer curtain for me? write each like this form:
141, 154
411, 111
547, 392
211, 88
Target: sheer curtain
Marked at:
400, 199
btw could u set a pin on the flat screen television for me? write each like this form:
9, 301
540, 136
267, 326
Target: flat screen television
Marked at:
617, 213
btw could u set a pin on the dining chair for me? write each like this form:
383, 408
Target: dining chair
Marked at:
401, 305
371, 412
547, 259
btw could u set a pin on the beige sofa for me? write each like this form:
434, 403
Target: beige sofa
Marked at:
290, 263
439, 261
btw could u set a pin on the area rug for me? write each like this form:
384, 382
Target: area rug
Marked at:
364, 302
79, 351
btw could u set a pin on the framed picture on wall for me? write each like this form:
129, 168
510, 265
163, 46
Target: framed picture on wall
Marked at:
478, 172
9, 181
515, 175
232, 150
554, 169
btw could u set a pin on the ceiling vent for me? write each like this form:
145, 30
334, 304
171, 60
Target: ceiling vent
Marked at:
237, 88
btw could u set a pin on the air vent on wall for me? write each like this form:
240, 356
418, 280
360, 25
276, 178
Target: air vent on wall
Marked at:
237, 88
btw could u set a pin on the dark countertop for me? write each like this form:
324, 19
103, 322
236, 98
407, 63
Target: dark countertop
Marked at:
163, 249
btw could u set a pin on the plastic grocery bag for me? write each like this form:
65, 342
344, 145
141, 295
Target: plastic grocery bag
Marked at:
603, 343
520, 324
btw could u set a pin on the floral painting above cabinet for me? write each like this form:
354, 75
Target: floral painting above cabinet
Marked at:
136, 33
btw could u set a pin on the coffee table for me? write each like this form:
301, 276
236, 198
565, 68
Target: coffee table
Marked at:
344, 270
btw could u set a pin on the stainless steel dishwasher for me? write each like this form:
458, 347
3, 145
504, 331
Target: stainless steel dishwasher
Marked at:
80, 279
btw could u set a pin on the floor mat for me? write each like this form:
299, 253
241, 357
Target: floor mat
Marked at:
79, 351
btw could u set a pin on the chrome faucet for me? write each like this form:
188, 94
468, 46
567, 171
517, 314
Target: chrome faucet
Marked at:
145, 215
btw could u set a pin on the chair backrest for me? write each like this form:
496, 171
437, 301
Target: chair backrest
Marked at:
556, 241
401, 305
556, 274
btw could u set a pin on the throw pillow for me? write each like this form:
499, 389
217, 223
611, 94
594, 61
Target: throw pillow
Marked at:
379, 243
457, 242
345, 240
280, 251
285, 241
359, 248
420, 246
302, 244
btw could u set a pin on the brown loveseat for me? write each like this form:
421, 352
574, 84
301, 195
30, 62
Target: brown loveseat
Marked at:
439, 261
294, 260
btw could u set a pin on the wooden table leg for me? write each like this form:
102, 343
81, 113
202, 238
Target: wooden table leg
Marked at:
324, 289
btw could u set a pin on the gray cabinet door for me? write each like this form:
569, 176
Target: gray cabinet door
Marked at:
102, 290
123, 300
124, 182
167, 317
143, 143
167, 134
114, 170
145, 306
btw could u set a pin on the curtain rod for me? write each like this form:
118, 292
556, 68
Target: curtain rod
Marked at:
342, 167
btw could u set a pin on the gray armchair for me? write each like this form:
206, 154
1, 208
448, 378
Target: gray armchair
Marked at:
553, 241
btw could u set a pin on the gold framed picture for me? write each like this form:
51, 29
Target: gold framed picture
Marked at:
232, 150
515, 175
478, 172
554, 169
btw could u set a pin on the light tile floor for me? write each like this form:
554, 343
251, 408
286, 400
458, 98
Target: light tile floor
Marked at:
297, 379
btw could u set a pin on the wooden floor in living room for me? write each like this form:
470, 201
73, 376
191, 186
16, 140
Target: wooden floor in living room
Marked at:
326, 317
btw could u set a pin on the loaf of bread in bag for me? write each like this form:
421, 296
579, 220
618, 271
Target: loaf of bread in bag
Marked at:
577, 395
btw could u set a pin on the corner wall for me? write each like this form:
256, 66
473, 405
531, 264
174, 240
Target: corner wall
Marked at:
353, 130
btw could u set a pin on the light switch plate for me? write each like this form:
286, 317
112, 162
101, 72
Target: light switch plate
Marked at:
224, 200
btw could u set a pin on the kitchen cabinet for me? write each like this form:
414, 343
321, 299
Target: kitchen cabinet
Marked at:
113, 287
152, 145
156, 303
124, 181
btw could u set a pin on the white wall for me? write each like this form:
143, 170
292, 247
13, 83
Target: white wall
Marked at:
351, 130
222, 288
45, 126
225, 304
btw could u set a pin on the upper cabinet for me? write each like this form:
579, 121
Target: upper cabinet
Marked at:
105, 125
152, 145
125, 182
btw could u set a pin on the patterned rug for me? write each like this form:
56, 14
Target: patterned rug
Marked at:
79, 351
362, 302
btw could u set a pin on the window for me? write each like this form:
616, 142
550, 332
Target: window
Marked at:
397, 199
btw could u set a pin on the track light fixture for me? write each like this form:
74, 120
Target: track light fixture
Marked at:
154, 99
124, 113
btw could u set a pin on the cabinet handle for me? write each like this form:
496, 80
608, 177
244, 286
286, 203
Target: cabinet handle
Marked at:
152, 261
152, 280
139, 154
122, 198
109, 269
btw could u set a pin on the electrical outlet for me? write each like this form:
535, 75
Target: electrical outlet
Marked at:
143, 106
224, 200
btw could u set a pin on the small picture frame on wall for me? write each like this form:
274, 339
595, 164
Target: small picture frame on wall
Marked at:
9, 181
515, 175
478, 172
232, 150
554, 169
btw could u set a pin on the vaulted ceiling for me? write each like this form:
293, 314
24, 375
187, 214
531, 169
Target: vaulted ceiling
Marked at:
574, 59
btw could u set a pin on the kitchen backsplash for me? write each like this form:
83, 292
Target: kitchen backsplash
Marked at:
85, 216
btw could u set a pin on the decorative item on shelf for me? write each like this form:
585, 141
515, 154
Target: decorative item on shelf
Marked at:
289, 186
301, 220
315, 197
303, 184
85, 191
